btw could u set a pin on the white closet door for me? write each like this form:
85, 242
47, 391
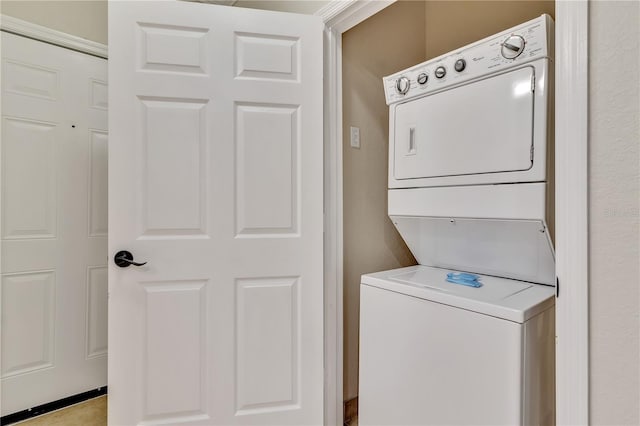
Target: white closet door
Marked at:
215, 180
54, 223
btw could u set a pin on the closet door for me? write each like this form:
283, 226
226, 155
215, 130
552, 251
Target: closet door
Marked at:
215, 180
53, 224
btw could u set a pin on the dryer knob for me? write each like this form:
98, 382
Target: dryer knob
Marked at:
440, 72
460, 65
513, 47
422, 78
402, 85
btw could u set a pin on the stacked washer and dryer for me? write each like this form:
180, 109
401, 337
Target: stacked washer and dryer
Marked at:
470, 190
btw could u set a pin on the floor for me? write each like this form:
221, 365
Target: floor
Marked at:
89, 413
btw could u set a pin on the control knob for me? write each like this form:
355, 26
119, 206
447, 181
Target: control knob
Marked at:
460, 65
440, 72
422, 78
512, 47
402, 85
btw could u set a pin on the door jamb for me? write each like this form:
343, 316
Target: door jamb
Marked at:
572, 212
338, 16
571, 156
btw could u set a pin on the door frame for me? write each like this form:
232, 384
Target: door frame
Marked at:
338, 16
572, 212
571, 156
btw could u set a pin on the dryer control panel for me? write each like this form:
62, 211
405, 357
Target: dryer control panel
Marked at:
510, 48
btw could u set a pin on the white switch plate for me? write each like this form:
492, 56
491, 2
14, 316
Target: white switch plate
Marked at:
355, 137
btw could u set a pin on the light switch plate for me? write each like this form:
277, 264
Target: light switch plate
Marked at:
355, 137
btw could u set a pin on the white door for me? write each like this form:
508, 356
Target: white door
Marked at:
215, 180
54, 223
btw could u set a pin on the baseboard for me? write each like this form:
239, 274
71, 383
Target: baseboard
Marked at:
350, 410
51, 406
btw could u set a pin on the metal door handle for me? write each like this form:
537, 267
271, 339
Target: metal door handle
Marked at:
124, 258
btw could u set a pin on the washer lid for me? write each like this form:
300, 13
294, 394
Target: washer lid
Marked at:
499, 297
517, 249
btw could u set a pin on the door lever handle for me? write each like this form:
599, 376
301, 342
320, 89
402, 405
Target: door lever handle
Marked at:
124, 258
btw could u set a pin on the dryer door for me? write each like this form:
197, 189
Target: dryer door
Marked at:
481, 127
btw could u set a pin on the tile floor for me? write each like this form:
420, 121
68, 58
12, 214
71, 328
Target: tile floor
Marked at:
88, 413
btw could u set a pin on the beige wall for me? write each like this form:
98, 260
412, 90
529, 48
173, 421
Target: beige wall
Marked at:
371, 243
86, 19
614, 212
453, 24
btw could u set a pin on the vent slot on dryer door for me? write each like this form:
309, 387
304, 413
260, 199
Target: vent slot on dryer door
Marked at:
481, 127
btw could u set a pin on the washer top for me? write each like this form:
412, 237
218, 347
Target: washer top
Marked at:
499, 297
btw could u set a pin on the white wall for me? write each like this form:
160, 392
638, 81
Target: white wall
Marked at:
86, 19
614, 212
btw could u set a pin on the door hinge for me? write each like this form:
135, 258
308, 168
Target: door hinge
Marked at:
533, 83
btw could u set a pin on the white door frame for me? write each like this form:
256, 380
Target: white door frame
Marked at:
338, 16
572, 326
572, 212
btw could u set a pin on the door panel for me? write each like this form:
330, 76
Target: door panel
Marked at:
267, 173
481, 127
37, 352
98, 195
30, 179
270, 380
175, 318
54, 223
216, 181
174, 135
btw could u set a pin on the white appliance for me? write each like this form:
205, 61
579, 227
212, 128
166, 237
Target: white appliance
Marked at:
470, 189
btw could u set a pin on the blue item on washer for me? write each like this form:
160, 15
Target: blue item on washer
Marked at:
463, 278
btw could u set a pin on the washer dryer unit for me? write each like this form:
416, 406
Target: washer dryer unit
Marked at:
470, 189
